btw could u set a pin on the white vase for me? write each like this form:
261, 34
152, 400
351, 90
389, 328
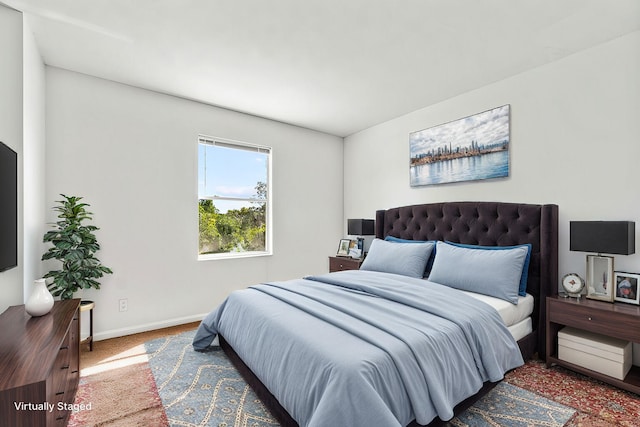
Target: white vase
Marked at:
41, 301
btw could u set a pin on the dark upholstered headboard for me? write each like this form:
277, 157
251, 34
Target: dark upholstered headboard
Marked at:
491, 224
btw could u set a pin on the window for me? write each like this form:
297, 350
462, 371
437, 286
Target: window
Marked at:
233, 198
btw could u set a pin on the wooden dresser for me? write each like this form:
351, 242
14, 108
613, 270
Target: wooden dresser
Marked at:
39, 365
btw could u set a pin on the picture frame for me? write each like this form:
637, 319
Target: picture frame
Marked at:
472, 148
355, 253
600, 284
344, 246
626, 289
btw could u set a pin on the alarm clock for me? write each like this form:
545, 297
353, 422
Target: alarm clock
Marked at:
573, 284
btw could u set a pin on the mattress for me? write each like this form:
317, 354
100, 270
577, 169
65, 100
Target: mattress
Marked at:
517, 317
521, 329
510, 313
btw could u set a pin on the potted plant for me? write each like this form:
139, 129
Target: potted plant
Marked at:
74, 245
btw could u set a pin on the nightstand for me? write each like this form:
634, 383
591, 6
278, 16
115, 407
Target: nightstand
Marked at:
614, 320
338, 263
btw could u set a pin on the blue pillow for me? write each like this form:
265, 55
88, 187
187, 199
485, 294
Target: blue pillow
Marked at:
522, 290
433, 252
494, 273
407, 259
399, 240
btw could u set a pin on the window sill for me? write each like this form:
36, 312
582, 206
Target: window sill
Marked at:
233, 255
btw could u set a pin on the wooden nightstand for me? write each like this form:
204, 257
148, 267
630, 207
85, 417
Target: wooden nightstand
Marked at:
615, 320
338, 263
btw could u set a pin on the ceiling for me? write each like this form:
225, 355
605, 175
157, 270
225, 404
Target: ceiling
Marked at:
336, 66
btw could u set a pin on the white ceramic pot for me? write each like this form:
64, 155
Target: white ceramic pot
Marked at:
41, 301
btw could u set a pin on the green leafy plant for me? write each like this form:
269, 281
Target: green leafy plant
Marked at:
237, 230
74, 245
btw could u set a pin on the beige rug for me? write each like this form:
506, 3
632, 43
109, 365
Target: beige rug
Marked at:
125, 397
116, 384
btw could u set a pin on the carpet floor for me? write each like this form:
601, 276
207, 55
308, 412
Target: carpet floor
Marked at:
117, 381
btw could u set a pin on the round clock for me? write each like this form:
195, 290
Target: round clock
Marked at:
572, 283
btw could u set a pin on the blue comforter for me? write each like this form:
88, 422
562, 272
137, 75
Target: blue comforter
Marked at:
362, 348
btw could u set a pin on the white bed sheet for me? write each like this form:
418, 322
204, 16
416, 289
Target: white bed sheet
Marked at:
510, 313
521, 329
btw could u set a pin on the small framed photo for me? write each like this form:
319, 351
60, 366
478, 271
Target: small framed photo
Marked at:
344, 246
355, 252
627, 287
600, 283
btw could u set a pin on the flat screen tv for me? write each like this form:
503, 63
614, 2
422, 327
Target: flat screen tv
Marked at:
8, 208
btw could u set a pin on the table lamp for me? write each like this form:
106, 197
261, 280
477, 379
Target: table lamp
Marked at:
360, 227
602, 237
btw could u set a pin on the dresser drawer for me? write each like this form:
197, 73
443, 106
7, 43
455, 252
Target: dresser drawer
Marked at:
59, 374
607, 321
340, 264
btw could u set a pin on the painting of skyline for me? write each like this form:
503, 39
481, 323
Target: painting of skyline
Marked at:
468, 149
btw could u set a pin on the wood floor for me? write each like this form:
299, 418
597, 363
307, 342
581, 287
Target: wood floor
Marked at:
113, 347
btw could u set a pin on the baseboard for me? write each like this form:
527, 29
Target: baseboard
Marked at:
115, 333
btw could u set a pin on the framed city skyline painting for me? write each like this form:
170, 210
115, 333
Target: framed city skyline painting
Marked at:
469, 149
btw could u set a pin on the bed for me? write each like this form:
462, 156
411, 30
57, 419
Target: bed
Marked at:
395, 382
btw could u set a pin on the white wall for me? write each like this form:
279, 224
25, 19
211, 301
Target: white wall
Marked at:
22, 128
33, 161
132, 154
11, 292
575, 141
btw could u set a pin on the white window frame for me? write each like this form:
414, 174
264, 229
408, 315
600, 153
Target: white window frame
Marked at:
239, 145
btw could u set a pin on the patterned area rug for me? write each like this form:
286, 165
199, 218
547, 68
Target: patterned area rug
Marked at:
598, 404
204, 389
508, 405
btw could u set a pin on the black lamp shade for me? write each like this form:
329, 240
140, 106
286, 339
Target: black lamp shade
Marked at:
360, 227
603, 237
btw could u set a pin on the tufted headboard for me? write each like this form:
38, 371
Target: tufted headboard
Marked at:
490, 224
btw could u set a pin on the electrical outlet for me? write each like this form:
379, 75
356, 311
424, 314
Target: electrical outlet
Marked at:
124, 303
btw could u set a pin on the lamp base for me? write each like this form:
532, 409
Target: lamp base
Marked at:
576, 296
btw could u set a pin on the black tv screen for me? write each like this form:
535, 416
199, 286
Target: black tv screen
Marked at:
8, 208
